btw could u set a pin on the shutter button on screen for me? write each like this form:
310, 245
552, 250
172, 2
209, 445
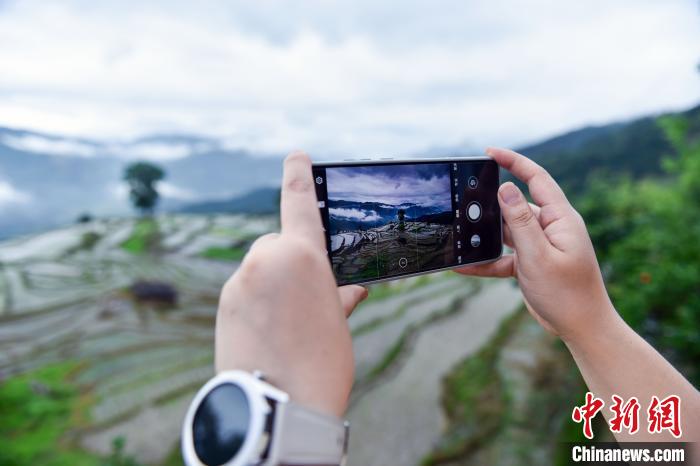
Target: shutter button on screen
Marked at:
403, 262
474, 211
475, 241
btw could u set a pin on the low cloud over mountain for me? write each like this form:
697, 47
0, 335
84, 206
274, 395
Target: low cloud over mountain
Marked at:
47, 180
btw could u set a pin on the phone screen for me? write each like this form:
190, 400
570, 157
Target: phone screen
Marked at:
391, 219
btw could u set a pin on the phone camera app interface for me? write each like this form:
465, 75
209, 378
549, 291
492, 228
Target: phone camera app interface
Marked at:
385, 220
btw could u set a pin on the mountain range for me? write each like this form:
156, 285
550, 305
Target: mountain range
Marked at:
48, 180
354, 215
635, 148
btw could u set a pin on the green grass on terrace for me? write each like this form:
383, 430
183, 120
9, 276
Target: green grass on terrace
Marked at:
380, 291
38, 408
474, 399
144, 237
225, 254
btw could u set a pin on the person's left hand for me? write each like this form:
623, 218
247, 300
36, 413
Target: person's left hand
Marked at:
281, 312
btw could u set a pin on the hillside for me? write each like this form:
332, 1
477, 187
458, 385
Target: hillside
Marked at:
257, 201
44, 178
127, 368
72, 324
635, 148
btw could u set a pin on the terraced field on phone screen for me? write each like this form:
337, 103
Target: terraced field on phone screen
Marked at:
64, 297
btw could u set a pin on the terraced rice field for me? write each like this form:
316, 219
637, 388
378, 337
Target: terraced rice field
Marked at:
63, 298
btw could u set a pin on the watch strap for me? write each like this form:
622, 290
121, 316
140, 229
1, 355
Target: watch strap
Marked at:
306, 437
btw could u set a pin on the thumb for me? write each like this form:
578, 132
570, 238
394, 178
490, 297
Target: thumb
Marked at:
527, 235
351, 296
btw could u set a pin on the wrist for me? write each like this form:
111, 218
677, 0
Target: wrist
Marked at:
312, 395
604, 327
601, 322
302, 390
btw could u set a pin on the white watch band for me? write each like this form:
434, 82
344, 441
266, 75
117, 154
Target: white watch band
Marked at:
302, 436
279, 432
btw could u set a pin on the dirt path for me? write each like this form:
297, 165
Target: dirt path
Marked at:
384, 308
398, 421
372, 348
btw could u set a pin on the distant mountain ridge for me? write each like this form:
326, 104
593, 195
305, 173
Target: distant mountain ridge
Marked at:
258, 201
635, 148
48, 180
354, 215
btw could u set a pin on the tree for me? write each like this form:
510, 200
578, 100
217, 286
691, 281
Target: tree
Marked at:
646, 235
142, 178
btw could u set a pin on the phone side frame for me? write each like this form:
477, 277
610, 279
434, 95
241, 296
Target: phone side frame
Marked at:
392, 160
387, 160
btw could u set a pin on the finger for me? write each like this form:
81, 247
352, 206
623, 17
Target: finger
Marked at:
299, 206
503, 267
526, 234
264, 239
543, 189
507, 236
351, 296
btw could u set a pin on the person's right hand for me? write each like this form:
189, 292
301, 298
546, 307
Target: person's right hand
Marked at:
283, 314
553, 259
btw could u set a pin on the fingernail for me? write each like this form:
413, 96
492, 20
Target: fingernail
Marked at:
489, 152
510, 193
365, 293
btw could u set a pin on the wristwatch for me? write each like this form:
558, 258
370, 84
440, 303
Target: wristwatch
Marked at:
238, 419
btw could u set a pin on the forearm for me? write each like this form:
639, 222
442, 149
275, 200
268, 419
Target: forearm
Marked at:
615, 360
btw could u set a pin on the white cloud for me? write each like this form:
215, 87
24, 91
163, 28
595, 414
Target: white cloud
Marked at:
355, 214
356, 78
11, 195
119, 191
154, 151
172, 191
40, 144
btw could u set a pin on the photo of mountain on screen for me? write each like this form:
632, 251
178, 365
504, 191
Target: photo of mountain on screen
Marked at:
393, 219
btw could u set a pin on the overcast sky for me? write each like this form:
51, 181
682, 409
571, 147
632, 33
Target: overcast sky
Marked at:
361, 77
426, 185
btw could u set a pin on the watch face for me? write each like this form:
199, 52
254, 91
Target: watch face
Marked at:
220, 424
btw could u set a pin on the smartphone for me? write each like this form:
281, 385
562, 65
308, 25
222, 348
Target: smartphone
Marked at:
386, 219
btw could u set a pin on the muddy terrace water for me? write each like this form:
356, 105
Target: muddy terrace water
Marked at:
64, 297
